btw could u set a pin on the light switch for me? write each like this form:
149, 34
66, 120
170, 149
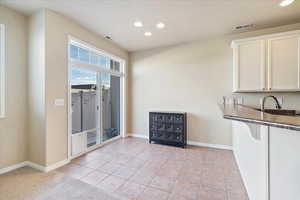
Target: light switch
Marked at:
59, 102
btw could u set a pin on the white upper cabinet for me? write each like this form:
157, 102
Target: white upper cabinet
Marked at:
267, 63
283, 63
249, 59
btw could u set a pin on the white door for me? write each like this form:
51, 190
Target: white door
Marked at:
249, 66
283, 63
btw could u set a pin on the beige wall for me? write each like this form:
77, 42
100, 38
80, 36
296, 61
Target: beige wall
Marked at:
13, 129
36, 89
58, 28
35, 129
190, 77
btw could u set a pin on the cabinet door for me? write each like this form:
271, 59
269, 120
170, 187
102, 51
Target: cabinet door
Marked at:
283, 63
249, 66
284, 164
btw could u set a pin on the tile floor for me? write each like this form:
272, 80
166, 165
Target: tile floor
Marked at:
132, 169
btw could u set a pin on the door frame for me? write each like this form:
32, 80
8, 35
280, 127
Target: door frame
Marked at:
123, 96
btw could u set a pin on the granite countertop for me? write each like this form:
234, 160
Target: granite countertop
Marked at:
249, 114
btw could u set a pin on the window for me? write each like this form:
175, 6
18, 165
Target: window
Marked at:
86, 55
2, 71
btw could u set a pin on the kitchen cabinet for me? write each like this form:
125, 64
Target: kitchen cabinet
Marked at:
267, 63
250, 146
250, 59
268, 160
283, 63
284, 164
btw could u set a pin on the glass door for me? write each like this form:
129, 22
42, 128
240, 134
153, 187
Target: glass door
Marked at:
111, 98
85, 105
96, 81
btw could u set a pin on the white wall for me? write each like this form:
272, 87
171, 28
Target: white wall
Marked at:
13, 128
190, 77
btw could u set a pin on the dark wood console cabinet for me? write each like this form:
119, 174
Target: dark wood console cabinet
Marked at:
168, 128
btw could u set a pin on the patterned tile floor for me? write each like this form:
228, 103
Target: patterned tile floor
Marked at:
133, 169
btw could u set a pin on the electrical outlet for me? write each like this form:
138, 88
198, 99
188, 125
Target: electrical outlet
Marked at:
59, 102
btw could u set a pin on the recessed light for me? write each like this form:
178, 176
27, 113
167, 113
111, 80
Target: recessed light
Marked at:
147, 33
138, 24
286, 2
160, 25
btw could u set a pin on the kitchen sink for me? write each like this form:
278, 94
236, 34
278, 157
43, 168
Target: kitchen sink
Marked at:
280, 112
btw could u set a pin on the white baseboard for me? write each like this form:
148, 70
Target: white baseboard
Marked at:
138, 136
200, 144
34, 166
13, 167
48, 168
57, 165
215, 146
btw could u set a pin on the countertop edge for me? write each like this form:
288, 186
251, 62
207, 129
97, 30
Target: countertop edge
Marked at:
256, 121
266, 123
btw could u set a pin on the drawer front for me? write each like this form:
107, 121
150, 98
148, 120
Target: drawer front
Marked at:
178, 128
169, 127
178, 119
155, 117
177, 137
169, 118
157, 135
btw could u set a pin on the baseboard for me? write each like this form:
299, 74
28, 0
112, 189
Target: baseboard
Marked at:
138, 136
34, 166
193, 143
57, 165
13, 167
48, 168
215, 146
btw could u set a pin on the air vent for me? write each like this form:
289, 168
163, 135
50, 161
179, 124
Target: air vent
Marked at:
245, 26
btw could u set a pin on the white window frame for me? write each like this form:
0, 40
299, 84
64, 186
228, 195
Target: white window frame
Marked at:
2, 71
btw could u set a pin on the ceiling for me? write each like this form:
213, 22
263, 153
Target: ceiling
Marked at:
186, 20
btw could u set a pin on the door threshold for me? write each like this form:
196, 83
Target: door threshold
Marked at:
97, 146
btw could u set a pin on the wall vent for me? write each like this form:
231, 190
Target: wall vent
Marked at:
245, 26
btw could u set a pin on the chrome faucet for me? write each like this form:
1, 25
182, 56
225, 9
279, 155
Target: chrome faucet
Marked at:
264, 100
